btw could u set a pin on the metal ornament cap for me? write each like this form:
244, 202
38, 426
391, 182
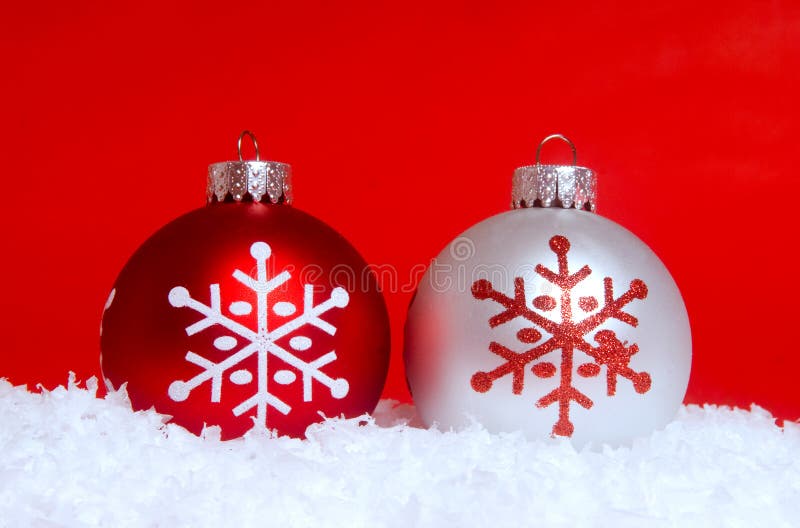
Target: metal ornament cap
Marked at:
259, 181
565, 186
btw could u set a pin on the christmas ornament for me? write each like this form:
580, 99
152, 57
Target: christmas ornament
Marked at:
247, 312
549, 319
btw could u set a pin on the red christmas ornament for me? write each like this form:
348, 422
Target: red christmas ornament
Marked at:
247, 312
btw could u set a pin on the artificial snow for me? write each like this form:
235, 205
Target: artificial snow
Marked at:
68, 458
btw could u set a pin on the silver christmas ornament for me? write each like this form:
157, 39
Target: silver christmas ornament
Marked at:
549, 319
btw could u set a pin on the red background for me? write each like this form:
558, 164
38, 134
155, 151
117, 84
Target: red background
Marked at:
403, 123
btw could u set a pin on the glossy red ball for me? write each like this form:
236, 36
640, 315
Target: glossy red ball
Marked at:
238, 314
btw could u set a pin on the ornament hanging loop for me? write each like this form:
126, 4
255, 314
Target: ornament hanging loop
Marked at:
255, 144
256, 180
538, 149
546, 185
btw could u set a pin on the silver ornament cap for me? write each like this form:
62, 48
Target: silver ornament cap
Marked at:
564, 186
244, 180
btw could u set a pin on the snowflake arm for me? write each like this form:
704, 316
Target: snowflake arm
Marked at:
612, 308
260, 400
515, 307
179, 390
180, 297
616, 356
515, 364
311, 370
338, 299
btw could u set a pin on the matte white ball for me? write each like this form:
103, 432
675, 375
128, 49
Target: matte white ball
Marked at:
549, 321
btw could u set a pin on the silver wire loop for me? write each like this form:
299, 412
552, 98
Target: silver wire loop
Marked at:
552, 185
255, 144
539, 148
261, 181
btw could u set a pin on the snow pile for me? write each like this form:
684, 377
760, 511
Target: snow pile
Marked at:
68, 458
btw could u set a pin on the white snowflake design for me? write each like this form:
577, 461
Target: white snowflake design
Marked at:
261, 341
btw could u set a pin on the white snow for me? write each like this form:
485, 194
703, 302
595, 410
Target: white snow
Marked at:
68, 458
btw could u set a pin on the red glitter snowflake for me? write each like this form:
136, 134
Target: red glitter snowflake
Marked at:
568, 335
